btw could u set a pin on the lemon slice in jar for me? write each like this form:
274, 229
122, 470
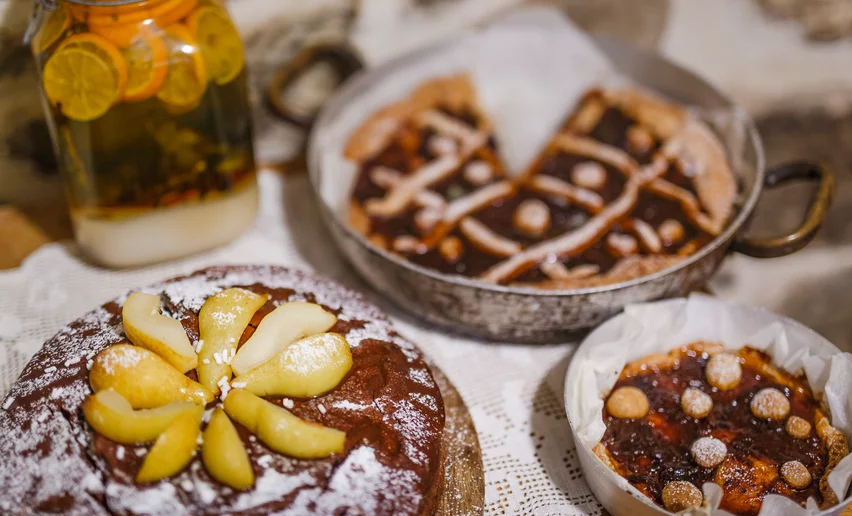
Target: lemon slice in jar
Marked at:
84, 77
186, 78
147, 65
219, 41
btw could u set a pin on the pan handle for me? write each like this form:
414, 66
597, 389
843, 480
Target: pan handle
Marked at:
783, 245
344, 59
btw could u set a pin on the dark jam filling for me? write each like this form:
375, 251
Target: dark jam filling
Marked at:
676, 176
456, 186
473, 262
499, 216
407, 152
654, 450
612, 130
401, 154
655, 210
560, 164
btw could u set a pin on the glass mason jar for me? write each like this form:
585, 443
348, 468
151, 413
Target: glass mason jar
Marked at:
147, 103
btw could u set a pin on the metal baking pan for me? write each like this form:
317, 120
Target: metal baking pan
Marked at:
530, 315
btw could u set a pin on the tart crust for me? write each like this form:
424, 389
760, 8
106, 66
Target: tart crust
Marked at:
372, 136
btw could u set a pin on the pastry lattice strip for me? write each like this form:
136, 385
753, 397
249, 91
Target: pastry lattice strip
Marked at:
574, 242
407, 188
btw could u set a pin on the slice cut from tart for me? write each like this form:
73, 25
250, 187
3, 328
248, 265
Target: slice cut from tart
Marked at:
425, 163
648, 184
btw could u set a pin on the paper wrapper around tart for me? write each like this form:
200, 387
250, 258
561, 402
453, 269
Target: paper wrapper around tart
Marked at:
660, 327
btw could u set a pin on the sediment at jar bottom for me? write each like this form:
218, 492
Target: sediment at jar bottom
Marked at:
166, 233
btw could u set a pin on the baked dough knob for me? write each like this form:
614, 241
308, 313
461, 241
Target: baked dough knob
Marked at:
679, 495
798, 427
723, 371
628, 403
708, 452
770, 403
695, 403
796, 474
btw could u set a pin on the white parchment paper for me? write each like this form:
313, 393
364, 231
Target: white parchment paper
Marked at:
528, 69
659, 327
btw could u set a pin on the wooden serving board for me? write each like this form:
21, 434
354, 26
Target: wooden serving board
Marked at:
462, 492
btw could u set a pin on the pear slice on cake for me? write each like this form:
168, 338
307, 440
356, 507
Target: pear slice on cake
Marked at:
110, 415
221, 322
146, 327
280, 328
173, 449
306, 368
223, 453
280, 430
143, 378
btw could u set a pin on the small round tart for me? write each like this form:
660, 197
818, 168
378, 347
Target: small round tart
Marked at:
372, 425
748, 430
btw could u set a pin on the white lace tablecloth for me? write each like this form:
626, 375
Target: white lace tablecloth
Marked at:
513, 392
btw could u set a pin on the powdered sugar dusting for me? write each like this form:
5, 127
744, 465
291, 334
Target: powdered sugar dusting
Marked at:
421, 376
127, 358
271, 485
425, 400
67, 345
156, 499
52, 449
348, 405
362, 472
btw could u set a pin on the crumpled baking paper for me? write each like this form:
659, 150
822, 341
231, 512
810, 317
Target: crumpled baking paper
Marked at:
659, 327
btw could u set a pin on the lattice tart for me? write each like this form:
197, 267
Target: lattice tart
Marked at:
701, 414
629, 185
239, 390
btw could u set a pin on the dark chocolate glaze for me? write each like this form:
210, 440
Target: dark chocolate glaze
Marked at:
388, 405
654, 450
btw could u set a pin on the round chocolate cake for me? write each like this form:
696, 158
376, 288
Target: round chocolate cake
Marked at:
386, 408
